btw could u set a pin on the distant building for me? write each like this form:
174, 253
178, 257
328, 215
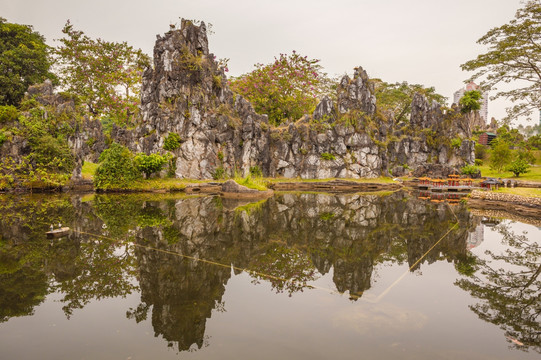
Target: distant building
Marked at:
484, 99
486, 138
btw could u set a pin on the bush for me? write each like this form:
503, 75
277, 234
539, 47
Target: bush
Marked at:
149, 164
172, 142
478, 162
52, 153
8, 113
116, 169
456, 142
470, 170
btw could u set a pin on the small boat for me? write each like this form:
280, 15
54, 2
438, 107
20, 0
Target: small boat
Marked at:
58, 232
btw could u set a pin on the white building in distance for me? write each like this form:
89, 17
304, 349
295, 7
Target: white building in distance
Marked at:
484, 98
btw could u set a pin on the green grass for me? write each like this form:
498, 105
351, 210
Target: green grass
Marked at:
533, 175
89, 169
257, 183
530, 192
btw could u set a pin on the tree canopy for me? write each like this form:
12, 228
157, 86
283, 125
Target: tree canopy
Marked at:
106, 76
513, 56
470, 101
24, 61
397, 97
288, 88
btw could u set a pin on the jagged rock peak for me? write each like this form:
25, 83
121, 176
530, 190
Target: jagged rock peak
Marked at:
356, 93
324, 110
423, 113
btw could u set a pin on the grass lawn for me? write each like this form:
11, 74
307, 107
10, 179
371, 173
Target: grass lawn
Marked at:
89, 169
533, 175
521, 191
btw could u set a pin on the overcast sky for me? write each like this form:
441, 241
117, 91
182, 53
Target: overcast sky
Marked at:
418, 41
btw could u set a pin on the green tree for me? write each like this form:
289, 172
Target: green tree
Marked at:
24, 61
116, 169
514, 55
288, 88
106, 76
470, 101
397, 97
534, 141
519, 166
150, 163
500, 155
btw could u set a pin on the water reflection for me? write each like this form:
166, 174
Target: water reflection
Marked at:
179, 252
508, 286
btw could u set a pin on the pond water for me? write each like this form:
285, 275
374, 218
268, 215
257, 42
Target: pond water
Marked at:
297, 276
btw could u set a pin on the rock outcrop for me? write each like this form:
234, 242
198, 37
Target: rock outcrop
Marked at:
186, 93
54, 114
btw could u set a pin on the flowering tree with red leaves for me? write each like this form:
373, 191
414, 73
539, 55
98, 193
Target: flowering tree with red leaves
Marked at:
286, 89
106, 76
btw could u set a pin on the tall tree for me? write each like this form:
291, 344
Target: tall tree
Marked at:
105, 75
513, 56
288, 88
24, 61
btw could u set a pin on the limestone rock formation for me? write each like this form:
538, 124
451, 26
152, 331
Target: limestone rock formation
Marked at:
186, 93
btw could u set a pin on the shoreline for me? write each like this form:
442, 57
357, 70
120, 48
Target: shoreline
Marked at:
518, 205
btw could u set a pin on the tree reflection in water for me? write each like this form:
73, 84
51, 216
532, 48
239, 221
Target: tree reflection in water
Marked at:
289, 241
509, 287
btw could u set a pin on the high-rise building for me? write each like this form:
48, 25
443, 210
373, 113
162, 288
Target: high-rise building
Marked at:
484, 98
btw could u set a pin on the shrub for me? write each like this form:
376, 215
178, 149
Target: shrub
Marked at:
171, 142
478, 162
470, 170
327, 156
8, 113
149, 164
456, 142
52, 153
116, 169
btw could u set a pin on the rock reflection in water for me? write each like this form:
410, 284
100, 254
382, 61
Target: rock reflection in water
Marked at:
294, 237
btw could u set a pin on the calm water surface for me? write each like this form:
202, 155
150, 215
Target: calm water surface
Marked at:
297, 276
